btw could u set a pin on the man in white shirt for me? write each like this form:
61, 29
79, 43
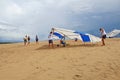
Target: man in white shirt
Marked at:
103, 36
50, 37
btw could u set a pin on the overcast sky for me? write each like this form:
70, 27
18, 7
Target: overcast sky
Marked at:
21, 17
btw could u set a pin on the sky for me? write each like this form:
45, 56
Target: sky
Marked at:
36, 17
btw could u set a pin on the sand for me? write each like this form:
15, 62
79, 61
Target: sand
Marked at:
76, 61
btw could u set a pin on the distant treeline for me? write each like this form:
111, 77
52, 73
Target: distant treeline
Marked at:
7, 42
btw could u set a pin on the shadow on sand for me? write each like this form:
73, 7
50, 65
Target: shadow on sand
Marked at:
67, 46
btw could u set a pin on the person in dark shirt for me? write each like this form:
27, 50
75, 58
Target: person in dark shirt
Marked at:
36, 39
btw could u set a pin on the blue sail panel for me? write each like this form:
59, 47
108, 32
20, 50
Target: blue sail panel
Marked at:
58, 35
85, 38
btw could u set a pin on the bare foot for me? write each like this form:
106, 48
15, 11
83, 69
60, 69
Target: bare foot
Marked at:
102, 45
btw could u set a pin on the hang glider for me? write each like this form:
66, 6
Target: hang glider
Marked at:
113, 33
72, 34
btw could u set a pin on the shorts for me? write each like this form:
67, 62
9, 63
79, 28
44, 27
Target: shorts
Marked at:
50, 41
25, 40
103, 36
36, 40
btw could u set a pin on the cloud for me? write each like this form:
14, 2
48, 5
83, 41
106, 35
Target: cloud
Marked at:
10, 32
39, 16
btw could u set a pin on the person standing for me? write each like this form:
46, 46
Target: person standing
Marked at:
28, 40
36, 39
50, 37
25, 40
103, 36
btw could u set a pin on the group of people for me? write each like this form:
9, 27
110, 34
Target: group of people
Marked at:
50, 41
62, 41
27, 40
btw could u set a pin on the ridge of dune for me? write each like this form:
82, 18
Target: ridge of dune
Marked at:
77, 61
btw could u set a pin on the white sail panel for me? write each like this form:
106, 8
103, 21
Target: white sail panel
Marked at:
113, 33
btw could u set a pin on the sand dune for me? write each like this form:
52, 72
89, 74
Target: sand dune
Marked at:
76, 61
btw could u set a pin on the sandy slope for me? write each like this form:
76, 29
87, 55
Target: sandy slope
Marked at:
77, 61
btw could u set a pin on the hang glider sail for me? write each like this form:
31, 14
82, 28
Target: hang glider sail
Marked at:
71, 34
113, 33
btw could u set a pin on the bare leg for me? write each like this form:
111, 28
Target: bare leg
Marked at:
103, 42
49, 45
52, 45
24, 43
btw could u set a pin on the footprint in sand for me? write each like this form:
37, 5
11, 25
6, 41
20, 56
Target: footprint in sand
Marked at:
77, 77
